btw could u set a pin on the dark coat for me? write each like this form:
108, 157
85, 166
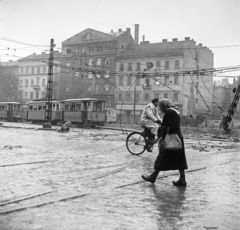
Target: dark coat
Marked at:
171, 159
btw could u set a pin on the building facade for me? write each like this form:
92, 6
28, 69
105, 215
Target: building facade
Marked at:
33, 76
89, 63
170, 77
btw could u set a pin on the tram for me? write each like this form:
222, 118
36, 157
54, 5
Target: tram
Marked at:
10, 111
36, 111
84, 111
111, 116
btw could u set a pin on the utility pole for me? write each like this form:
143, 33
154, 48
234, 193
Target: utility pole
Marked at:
134, 103
48, 109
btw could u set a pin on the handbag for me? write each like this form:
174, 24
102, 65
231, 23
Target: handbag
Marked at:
172, 141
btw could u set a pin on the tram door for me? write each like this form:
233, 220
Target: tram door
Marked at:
9, 112
84, 111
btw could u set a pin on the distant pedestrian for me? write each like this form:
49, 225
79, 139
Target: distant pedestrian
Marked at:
169, 159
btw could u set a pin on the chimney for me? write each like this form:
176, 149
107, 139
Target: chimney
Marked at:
111, 31
174, 39
136, 36
187, 38
128, 30
164, 40
143, 38
119, 30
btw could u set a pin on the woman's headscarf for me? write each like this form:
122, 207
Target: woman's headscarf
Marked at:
164, 104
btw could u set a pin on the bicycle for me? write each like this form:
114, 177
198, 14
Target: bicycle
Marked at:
137, 142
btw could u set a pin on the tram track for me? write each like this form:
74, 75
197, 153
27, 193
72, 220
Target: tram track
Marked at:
57, 195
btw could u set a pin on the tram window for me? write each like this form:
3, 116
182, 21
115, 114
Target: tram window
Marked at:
44, 107
89, 106
78, 107
57, 107
98, 106
83, 107
66, 107
72, 107
34, 107
53, 107
102, 106
30, 107
40, 107
94, 106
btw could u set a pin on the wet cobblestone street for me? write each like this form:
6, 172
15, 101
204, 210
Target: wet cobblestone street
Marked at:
86, 179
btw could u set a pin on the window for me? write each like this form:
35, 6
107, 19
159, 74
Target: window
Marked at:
90, 61
166, 80
138, 81
37, 95
68, 51
128, 97
32, 70
38, 79
176, 79
157, 80
32, 82
138, 66
165, 95
120, 97
156, 95
26, 95
129, 66
121, 67
89, 88
43, 94
99, 61
176, 64
175, 97
129, 80
44, 69
137, 97
166, 64
38, 70
43, 82
157, 64
20, 94
120, 80
26, 83
106, 87
122, 46
146, 97
31, 95
90, 75
106, 75
147, 82
107, 61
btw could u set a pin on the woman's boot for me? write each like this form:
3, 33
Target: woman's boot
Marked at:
181, 182
151, 178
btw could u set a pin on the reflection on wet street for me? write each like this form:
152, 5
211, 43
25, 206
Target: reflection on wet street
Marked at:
102, 187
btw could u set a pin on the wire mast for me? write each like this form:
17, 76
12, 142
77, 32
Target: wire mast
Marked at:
48, 109
227, 120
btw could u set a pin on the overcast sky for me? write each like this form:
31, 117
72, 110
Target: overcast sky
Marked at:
213, 23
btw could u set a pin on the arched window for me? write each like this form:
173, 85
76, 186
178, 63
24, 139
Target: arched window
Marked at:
122, 46
99, 61
107, 61
90, 61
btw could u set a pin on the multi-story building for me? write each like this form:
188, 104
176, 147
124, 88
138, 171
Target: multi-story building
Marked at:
89, 63
9, 81
171, 77
33, 76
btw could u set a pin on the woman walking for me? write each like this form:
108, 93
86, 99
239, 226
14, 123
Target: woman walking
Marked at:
169, 159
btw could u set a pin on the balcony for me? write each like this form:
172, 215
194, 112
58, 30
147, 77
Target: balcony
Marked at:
36, 87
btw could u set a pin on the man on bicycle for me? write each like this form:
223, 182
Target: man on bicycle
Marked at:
151, 120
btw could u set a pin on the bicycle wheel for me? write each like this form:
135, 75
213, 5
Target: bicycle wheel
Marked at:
136, 143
